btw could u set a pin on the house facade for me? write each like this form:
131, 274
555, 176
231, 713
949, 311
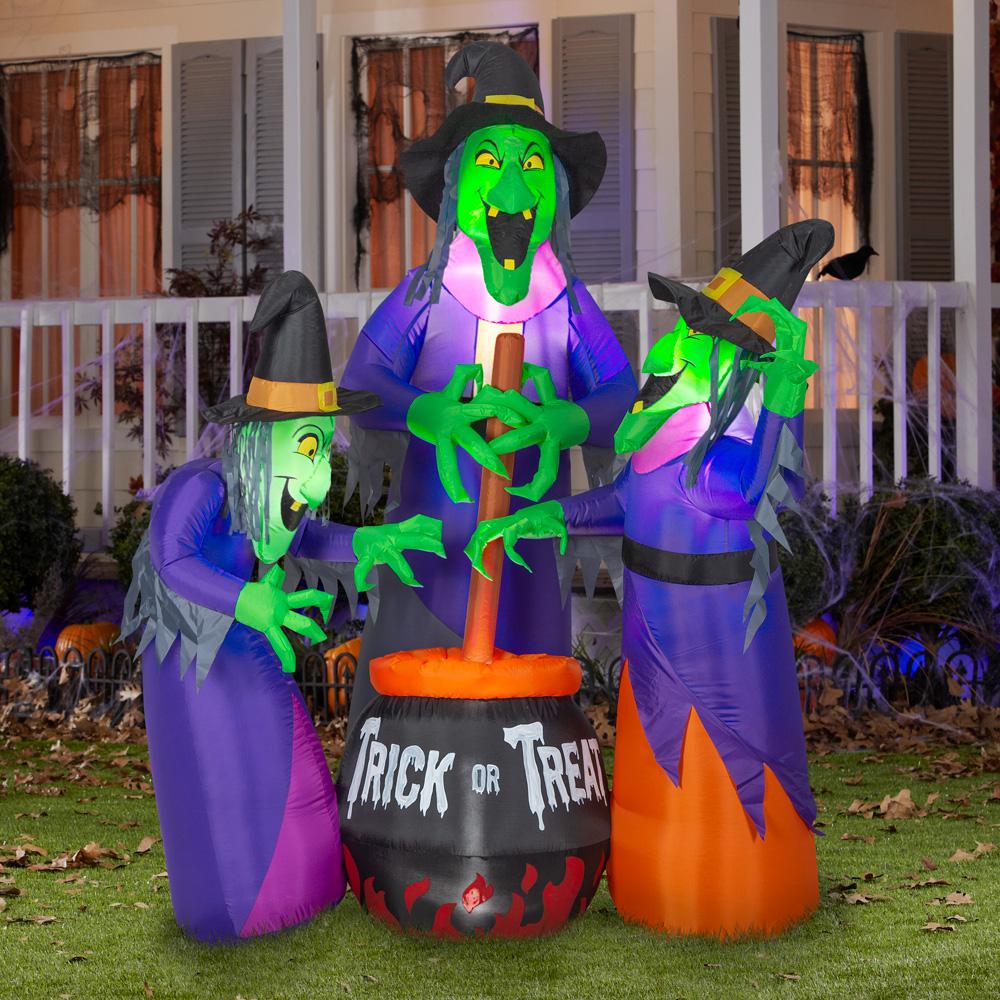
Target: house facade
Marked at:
175, 116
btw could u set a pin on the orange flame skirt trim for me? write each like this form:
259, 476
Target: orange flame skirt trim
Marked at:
686, 858
445, 673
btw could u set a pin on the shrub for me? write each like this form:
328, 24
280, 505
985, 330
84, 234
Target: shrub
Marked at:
38, 539
916, 562
133, 520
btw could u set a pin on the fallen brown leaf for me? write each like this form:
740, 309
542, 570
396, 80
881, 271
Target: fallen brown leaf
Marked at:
145, 844
932, 927
958, 899
961, 855
854, 836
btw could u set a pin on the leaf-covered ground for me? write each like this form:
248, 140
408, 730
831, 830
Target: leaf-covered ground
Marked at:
910, 883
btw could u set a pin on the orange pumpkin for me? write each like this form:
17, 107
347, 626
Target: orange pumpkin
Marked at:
85, 639
818, 639
338, 660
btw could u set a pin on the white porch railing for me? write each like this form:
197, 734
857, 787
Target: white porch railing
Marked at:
838, 303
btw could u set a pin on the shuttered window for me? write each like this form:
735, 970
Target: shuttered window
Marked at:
228, 142
925, 234
265, 141
208, 143
593, 89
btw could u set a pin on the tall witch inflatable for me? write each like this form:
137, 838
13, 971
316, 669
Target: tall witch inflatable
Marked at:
247, 808
711, 808
502, 183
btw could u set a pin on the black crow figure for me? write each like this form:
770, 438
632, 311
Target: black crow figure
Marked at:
850, 265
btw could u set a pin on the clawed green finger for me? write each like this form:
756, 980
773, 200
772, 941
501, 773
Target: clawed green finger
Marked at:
424, 543
544, 477
421, 524
396, 561
542, 378
468, 439
527, 492
474, 552
282, 648
361, 572
303, 625
460, 378
312, 596
510, 539
493, 406
448, 473
520, 437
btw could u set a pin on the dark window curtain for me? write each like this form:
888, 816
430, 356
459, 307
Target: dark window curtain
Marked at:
67, 132
830, 148
393, 77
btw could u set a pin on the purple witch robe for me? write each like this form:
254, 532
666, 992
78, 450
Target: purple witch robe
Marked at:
683, 641
405, 350
247, 809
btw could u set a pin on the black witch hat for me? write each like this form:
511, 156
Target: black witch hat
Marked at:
293, 377
507, 93
774, 269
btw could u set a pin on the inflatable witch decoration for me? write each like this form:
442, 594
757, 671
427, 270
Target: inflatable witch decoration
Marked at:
712, 813
502, 183
246, 805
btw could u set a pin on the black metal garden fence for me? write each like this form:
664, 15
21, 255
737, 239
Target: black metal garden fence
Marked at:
105, 684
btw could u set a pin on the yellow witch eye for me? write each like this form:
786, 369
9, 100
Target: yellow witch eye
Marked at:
308, 446
487, 159
533, 162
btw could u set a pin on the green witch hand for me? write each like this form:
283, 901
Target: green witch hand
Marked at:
553, 424
385, 544
264, 606
786, 370
442, 419
543, 520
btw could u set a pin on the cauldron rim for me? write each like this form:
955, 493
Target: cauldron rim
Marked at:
442, 672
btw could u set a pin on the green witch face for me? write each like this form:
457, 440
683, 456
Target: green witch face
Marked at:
507, 203
680, 374
299, 480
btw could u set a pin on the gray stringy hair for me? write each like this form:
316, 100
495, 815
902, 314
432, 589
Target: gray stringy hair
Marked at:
788, 457
246, 466
429, 278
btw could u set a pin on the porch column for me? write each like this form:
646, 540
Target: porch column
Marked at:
301, 151
760, 104
971, 155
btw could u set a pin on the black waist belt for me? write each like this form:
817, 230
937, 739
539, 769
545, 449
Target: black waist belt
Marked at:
698, 568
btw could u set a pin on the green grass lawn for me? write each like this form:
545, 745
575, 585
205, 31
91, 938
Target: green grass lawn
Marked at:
113, 933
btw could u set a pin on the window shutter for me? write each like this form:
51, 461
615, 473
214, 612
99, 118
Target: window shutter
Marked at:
208, 143
726, 72
593, 88
925, 236
265, 140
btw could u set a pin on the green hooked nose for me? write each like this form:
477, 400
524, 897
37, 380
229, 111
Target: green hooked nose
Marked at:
317, 486
510, 194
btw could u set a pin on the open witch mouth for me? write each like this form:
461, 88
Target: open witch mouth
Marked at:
292, 510
510, 234
655, 388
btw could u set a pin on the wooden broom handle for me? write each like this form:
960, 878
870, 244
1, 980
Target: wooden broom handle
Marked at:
494, 501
